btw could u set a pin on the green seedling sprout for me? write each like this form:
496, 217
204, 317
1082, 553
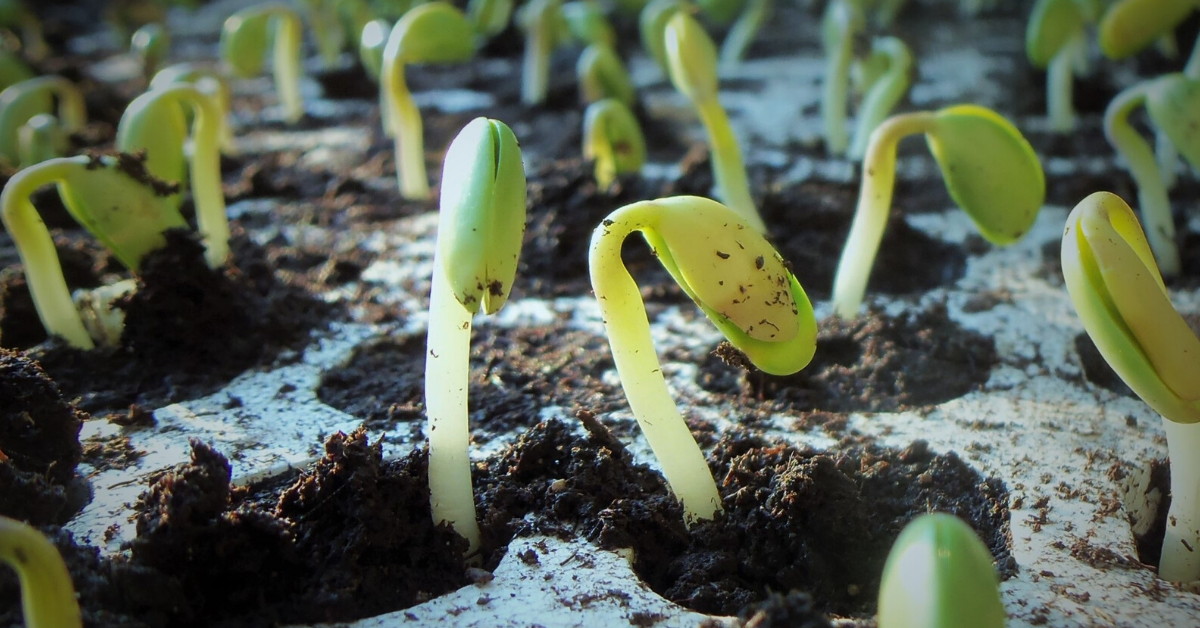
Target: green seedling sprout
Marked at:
613, 139
371, 44
1173, 105
489, 17
13, 69
155, 122
843, 20
244, 40
431, 33
587, 23
1053, 40
122, 212
14, 14
1119, 295
39, 139
354, 15
208, 81
721, 12
323, 21
22, 101
652, 26
740, 283
150, 44
990, 171
743, 31
1129, 26
545, 28
480, 230
602, 75
47, 596
692, 59
886, 12
939, 575
885, 91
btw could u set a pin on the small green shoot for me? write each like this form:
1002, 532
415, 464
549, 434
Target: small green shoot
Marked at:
480, 229
692, 59
154, 122
15, 15
121, 211
602, 75
990, 171
743, 31
431, 33
587, 23
47, 596
740, 283
489, 17
939, 575
652, 26
150, 44
545, 28
323, 22
842, 22
21, 102
613, 139
208, 81
244, 40
39, 139
1173, 105
1053, 41
1129, 26
1119, 295
885, 92
371, 44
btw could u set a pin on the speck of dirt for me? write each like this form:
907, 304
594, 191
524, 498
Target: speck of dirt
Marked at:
794, 610
874, 363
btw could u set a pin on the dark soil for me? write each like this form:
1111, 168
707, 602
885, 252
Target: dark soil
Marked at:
875, 363
39, 445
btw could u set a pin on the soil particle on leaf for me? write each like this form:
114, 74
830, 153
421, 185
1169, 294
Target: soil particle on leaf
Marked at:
39, 444
874, 363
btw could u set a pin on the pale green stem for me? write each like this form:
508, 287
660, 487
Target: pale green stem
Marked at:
447, 380
833, 97
286, 65
641, 375
874, 204
43, 272
1060, 81
743, 32
408, 130
1152, 194
883, 95
729, 170
1192, 69
1181, 544
47, 597
1168, 158
535, 80
211, 219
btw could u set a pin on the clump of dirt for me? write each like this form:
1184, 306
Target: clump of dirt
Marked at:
39, 444
188, 328
383, 383
874, 363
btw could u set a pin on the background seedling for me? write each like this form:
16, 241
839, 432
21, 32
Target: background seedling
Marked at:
47, 597
939, 575
652, 27
842, 22
431, 33
602, 75
885, 91
208, 81
489, 17
39, 139
150, 44
480, 229
371, 44
1129, 26
613, 139
544, 28
13, 69
1053, 41
1120, 297
21, 102
743, 31
692, 60
740, 283
15, 15
990, 171
244, 45
587, 23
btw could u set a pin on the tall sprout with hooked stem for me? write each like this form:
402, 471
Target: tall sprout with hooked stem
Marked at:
545, 28
613, 139
740, 283
480, 229
244, 38
208, 81
842, 21
884, 92
47, 597
22, 101
990, 171
1053, 41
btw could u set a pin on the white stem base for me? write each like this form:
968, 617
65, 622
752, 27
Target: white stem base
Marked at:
1181, 545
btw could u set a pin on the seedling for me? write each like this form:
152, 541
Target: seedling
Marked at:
613, 139
652, 26
587, 24
721, 11
208, 81
150, 44
15, 15
939, 575
323, 21
154, 122
371, 44
692, 59
39, 139
47, 597
480, 229
602, 75
990, 171
1173, 105
121, 211
431, 33
1053, 41
1125, 307
544, 27
842, 22
895, 66
21, 102
740, 283
886, 12
489, 17
13, 69
244, 45
743, 31
1129, 26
